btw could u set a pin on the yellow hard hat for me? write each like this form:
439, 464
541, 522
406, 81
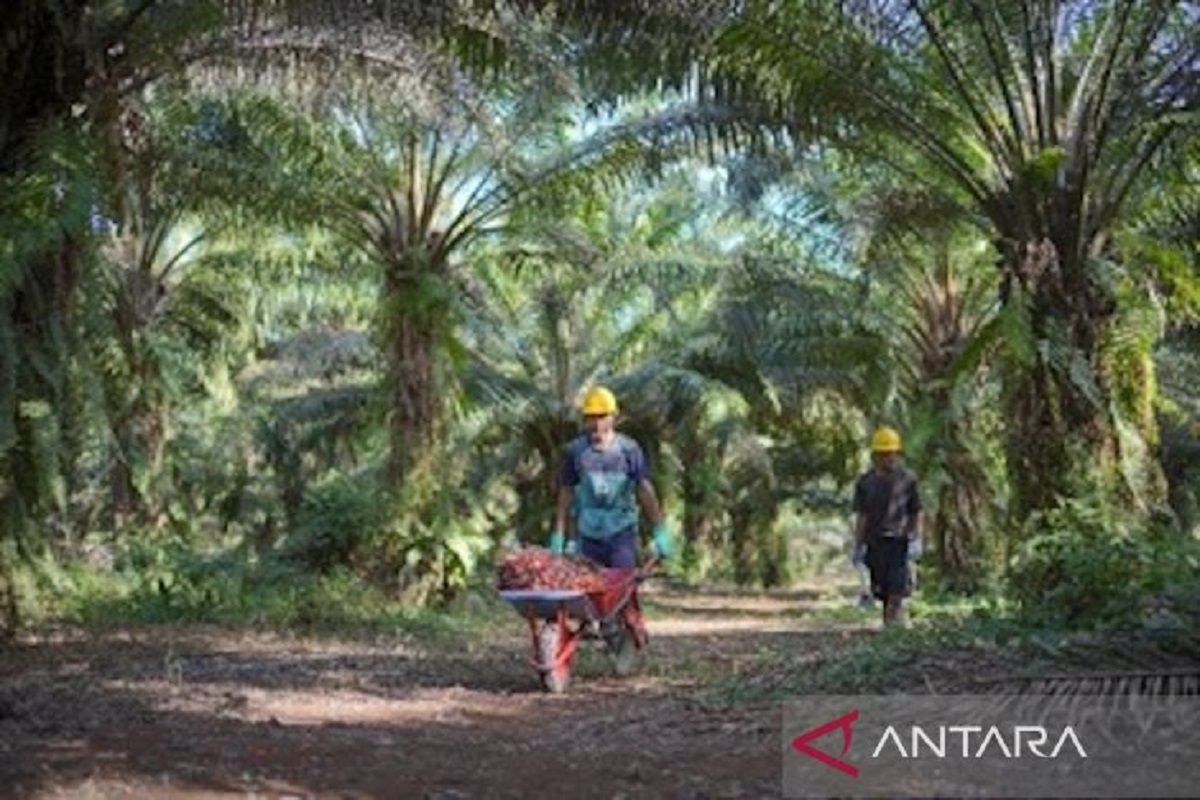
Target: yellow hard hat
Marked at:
886, 440
599, 401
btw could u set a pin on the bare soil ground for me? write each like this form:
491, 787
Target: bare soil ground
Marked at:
199, 712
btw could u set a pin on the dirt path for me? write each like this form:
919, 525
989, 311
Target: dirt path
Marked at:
208, 713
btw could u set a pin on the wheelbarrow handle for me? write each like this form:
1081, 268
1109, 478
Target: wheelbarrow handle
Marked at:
647, 568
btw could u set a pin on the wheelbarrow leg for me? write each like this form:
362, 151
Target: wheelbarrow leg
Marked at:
635, 622
554, 647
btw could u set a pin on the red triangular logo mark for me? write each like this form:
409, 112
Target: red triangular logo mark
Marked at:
846, 723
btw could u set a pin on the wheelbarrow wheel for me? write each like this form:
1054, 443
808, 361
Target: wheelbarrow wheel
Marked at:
555, 679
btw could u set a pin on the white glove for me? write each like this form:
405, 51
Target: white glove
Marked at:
915, 549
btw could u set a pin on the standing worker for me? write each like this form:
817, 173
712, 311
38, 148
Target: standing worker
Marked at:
604, 477
887, 529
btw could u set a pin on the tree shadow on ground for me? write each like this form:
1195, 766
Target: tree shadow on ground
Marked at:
158, 713
229, 712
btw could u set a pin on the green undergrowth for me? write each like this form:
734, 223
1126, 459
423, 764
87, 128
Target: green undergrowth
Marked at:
177, 586
962, 645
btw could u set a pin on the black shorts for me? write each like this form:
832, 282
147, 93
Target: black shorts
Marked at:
887, 558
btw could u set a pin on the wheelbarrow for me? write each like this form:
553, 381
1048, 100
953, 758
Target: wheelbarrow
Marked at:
560, 619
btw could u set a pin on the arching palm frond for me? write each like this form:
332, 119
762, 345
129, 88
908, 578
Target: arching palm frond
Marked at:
579, 311
1039, 121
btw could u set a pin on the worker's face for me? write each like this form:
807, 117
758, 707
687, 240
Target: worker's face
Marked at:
886, 461
598, 426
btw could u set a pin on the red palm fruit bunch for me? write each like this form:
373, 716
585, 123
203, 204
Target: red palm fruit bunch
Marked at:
538, 568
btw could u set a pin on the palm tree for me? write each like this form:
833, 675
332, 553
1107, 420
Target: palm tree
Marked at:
414, 186
1179, 448
929, 298
794, 344
188, 198
1039, 119
69, 67
163, 312
938, 303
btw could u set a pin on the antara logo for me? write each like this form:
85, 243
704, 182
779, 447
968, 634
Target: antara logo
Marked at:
846, 724
1020, 741
1033, 737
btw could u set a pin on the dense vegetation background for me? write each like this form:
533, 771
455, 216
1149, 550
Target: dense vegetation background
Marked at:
297, 299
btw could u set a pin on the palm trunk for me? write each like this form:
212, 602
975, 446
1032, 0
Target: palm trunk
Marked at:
38, 360
73, 427
285, 459
415, 317
10, 616
743, 540
138, 426
46, 68
412, 393
957, 522
773, 554
1057, 410
141, 437
957, 525
120, 477
698, 502
1049, 434
697, 519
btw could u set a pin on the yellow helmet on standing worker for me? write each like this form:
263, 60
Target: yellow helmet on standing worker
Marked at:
599, 401
886, 440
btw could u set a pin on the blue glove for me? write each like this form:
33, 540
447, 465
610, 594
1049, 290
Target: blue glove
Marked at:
556, 542
859, 556
662, 540
915, 549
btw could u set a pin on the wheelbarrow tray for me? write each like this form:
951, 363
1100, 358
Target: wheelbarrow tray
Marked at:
545, 603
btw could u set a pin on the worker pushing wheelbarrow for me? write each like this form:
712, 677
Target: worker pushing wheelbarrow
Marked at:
603, 479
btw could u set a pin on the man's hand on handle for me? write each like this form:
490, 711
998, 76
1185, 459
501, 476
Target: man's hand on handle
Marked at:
559, 544
662, 544
915, 549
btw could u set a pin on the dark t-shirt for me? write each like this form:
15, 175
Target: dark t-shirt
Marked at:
605, 483
887, 500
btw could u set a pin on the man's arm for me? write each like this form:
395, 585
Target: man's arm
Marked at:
916, 516
649, 501
860, 515
567, 478
563, 508
654, 513
916, 523
639, 473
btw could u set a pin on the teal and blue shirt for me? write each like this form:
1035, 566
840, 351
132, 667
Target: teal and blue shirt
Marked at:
605, 485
